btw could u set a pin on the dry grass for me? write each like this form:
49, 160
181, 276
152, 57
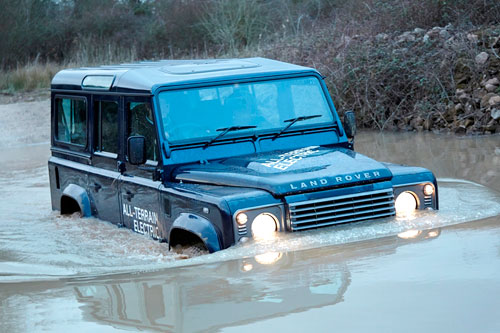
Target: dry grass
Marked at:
28, 77
389, 83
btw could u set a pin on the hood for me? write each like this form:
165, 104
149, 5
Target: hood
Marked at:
287, 172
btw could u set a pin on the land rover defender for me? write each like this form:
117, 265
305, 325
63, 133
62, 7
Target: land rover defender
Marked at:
216, 151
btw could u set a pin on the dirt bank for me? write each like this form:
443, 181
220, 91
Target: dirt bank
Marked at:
26, 123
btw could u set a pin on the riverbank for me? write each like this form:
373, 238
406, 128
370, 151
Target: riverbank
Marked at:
442, 79
400, 65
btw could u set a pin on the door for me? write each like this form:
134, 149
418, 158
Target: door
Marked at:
104, 175
139, 192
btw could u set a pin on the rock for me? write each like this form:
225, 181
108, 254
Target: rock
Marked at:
382, 37
415, 122
459, 107
494, 100
444, 34
490, 87
482, 58
491, 125
461, 129
463, 98
472, 38
426, 39
486, 99
419, 31
495, 81
469, 108
434, 32
495, 43
405, 37
459, 91
495, 114
468, 123
479, 93
428, 124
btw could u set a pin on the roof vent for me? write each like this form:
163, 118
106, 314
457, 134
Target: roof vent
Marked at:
98, 82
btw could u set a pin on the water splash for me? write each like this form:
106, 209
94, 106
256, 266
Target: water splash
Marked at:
40, 244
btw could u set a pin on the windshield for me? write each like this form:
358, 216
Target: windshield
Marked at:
201, 113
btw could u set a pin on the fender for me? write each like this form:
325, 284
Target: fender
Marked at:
201, 227
79, 194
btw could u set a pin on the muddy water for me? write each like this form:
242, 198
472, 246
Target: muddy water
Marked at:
436, 271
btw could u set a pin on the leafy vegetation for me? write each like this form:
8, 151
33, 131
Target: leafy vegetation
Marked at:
375, 62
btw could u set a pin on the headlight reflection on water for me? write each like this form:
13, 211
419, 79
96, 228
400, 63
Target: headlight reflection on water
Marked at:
410, 234
268, 258
265, 259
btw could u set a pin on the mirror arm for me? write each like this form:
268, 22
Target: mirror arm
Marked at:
166, 149
340, 129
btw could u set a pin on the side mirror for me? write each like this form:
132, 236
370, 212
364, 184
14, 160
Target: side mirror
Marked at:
350, 124
136, 149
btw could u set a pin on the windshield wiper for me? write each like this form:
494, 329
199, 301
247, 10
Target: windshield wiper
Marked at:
294, 120
226, 130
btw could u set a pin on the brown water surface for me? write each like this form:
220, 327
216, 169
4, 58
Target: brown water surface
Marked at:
434, 272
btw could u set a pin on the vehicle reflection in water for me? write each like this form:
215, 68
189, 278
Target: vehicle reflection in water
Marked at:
232, 293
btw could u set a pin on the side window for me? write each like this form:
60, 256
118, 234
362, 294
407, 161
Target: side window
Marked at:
106, 126
140, 122
71, 116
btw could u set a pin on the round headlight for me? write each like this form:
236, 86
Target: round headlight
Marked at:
428, 189
406, 203
241, 218
264, 226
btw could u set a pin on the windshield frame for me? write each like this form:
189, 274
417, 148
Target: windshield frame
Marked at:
255, 133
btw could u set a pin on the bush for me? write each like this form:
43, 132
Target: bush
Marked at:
28, 77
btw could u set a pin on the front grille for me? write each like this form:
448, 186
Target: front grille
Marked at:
342, 209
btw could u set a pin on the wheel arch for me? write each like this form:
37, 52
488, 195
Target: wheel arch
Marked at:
75, 195
198, 227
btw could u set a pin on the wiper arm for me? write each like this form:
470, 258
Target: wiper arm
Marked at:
293, 121
226, 130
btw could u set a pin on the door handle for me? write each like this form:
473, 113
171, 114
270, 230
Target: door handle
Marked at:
96, 187
129, 195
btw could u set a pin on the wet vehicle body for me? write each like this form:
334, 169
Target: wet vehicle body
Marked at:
216, 151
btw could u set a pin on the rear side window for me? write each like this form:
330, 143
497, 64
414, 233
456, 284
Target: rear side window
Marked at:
71, 116
106, 116
140, 120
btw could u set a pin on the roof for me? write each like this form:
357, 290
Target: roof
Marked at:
147, 76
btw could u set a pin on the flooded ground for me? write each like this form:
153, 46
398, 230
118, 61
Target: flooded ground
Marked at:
436, 271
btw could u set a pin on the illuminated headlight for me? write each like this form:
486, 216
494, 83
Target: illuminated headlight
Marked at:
428, 189
264, 226
241, 218
406, 203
